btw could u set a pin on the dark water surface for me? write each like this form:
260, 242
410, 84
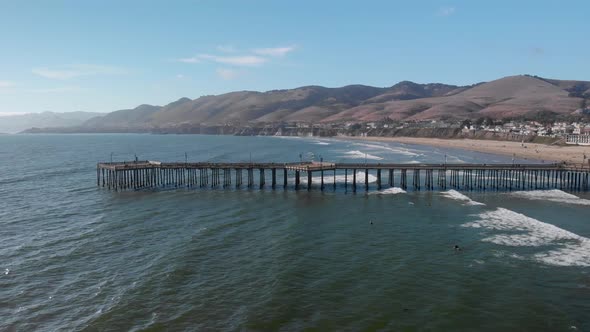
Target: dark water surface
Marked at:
77, 257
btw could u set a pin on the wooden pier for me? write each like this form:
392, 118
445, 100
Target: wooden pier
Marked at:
137, 175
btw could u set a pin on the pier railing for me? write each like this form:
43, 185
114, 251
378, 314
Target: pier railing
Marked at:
137, 175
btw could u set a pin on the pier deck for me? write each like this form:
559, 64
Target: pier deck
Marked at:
135, 175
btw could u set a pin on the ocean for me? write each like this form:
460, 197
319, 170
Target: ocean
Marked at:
75, 257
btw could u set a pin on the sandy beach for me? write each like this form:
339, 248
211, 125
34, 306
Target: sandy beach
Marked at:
570, 154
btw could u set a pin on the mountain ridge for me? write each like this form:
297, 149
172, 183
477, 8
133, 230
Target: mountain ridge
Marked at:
511, 96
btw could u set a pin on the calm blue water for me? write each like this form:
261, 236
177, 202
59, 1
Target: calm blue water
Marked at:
77, 257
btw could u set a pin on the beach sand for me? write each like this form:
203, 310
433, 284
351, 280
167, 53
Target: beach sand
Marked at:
570, 153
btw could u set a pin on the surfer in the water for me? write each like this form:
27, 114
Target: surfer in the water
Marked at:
457, 248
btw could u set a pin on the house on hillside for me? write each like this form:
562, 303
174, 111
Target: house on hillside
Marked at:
544, 131
562, 128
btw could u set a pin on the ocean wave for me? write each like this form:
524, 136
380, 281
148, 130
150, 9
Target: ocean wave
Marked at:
360, 155
455, 159
321, 143
519, 230
389, 191
403, 151
554, 195
328, 178
453, 194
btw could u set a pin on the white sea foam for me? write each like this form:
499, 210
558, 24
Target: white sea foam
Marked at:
403, 151
453, 194
454, 159
554, 195
360, 155
568, 255
389, 191
518, 230
321, 143
328, 178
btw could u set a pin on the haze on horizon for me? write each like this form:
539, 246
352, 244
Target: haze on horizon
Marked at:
67, 56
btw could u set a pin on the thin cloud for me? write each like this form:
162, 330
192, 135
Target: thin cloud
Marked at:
61, 89
276, 51
239, 60
189, 60
242, 60
446, 11
227, 74
226, 49
257, 57
6, 84
74, 71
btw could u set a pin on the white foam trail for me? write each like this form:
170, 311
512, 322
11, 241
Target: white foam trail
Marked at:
453, 194
328, 178
519, 230
360, 155
568, 255
389, 191
455, 159
554, 195
403, 151
321, 143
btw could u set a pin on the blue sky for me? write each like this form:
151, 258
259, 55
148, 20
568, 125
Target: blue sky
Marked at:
102, 56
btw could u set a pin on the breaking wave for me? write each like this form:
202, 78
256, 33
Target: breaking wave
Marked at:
360, 155
403, 151
389, 191
518, 230
329, 178
453, 194
554, 195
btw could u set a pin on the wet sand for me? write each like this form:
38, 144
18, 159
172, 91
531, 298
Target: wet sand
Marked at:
570, 153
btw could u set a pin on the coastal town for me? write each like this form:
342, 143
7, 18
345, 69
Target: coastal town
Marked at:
577, 132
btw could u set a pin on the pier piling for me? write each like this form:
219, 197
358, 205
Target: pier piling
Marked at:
138, 175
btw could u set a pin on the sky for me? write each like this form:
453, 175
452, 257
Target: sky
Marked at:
102, 56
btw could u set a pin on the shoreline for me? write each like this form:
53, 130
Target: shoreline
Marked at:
532, 151
535, 151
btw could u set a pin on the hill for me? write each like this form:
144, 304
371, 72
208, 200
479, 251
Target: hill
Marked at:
18, 123
513, 96
304, 104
